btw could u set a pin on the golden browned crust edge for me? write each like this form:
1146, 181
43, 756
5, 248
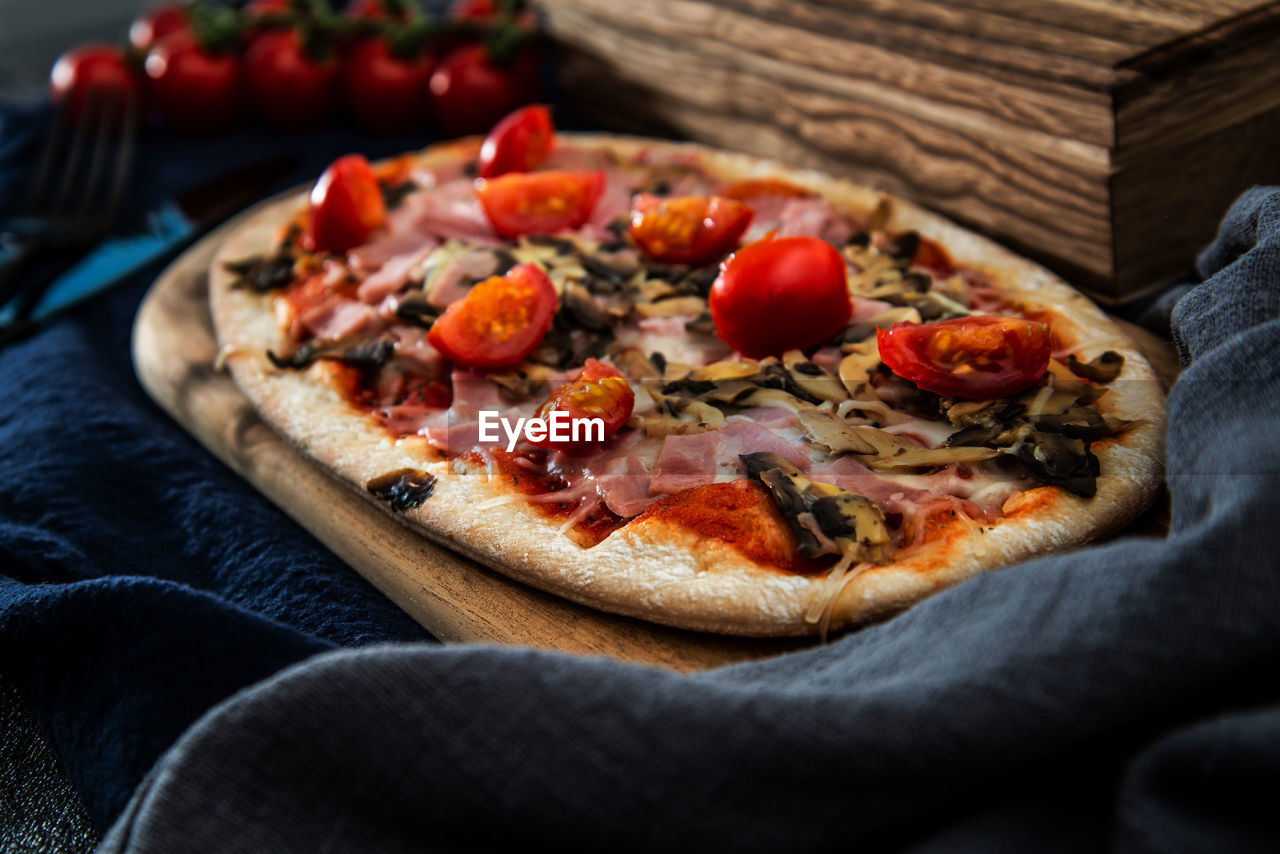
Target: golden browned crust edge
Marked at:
662, 571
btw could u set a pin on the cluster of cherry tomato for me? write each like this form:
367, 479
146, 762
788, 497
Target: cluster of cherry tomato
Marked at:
296, 63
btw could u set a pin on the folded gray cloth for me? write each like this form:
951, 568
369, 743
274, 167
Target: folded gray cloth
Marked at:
1121, 695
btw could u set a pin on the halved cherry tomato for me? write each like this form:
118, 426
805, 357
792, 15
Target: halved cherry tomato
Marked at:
780, 294
687, 229
750, 188
502, 320
346, 206
981, 357
517, 143
598, 392
539, 202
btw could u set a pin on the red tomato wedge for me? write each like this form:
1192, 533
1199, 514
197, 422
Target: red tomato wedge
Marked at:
981, 357
780, 294
687, 229
517, 143
502, 320
598, 392
539, 202
346, 206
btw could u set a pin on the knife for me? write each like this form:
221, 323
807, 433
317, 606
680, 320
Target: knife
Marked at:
164, 230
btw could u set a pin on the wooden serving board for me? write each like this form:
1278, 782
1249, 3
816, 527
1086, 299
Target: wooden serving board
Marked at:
455, 598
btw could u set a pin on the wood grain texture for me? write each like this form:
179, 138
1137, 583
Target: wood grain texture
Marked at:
1039, 123
455, 598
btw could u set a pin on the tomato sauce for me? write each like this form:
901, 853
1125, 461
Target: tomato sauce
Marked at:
739, 513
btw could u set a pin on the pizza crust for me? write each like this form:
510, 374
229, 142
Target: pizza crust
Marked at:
662, 571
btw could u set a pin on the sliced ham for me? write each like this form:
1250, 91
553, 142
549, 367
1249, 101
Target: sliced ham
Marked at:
865, 309
454, 281
373, 255
472, 392
412, 347
827, 358
744, 436
772, 417
413, 419
624, 486
449, 211
797, 217
337, 317
847, 473
685, 462
614, 202
395, 273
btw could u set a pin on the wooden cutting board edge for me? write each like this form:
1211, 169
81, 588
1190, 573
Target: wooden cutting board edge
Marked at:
453, 597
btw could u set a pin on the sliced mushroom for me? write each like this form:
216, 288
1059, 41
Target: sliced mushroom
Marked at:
1082, 422
968, 413
727, 369
858, 332
1103, 369
847, 523
403, 489
931, 457
1060, 461
673, 307
832, 433
633, 362
856, 369
582, 307
367, 353
812, 379
524, 382
415, 309
678, 416
263, 273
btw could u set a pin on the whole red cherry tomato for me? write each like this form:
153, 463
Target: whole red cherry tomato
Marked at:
346, 206
598, 391
287, 84
470, 92
99, 67
539, 202
781, 294
687, 229
518, 143
386, 91
190, 86
499, 322
981, 357
156, 23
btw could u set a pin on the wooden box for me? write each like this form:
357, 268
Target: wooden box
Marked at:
1104, 138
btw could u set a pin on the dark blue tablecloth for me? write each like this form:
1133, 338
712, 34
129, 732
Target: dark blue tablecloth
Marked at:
1125, 694
142, 581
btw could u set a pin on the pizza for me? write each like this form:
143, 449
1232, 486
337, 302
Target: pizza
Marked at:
682, 384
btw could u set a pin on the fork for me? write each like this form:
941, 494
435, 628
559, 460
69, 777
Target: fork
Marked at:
71, 202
